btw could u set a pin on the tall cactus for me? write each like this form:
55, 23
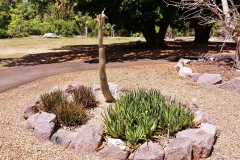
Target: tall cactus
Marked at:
102, 60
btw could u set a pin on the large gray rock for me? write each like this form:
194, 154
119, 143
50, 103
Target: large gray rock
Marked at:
112, 152
185, 71
179, 149
209, 79
148, 151
202, 139
233, 85
29, 109
43, 124
87, 140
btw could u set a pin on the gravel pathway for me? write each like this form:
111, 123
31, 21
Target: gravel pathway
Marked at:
17, 142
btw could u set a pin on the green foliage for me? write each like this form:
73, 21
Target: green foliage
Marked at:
4, 34
68, 112
142, 115
137, 34
66, 28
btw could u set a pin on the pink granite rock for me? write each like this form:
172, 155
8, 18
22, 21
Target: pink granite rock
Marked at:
43, 124
193, 76
179, 149
29, 109
87, 140
112, 152
233, 85
148, 151
209, 79
202, 139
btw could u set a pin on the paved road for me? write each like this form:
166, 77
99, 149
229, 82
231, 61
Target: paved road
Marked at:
14, 77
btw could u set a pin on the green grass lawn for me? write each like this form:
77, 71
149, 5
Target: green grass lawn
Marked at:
18, 47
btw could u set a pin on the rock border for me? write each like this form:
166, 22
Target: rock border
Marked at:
206, 78
189, 144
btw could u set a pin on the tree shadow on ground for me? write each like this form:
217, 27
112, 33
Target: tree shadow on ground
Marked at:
118, 53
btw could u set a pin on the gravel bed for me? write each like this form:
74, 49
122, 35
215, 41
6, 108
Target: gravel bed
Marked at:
18, 142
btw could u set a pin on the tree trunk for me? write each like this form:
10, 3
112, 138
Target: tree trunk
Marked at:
162, 32
103, 77
149, 34
155, 39
102, 61
237, 56
202, 33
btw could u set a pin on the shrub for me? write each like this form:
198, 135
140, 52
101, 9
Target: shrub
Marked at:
84, 95
68, 112
142, 115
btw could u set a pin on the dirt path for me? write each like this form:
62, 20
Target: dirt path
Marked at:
13, 77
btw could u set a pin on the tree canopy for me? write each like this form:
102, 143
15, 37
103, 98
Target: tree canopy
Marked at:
136, 16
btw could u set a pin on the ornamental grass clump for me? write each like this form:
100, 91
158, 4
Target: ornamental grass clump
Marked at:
144, 115
68, 112
85, 96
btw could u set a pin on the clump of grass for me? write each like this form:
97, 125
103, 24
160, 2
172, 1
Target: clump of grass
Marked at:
69, 112
143, 115
85, 96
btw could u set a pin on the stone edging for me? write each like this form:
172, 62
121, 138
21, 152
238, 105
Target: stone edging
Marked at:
206, 78
188, 144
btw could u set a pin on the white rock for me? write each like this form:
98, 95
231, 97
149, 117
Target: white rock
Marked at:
117, 142
184, 71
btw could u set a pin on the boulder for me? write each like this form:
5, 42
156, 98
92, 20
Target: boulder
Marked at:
50, 35
178, 66
87, 140
202, 117
187, 61
233, 85
179, 149
116, 142
113, 87
112, 152
207, 118
63, 138
197, 118
181, 60
57, 137
43, 124
32, 120
68, 139
202, 139
209, 79
184, 71
96, 87
29, 109
193, 76
68, 88
194, 105
148, 151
